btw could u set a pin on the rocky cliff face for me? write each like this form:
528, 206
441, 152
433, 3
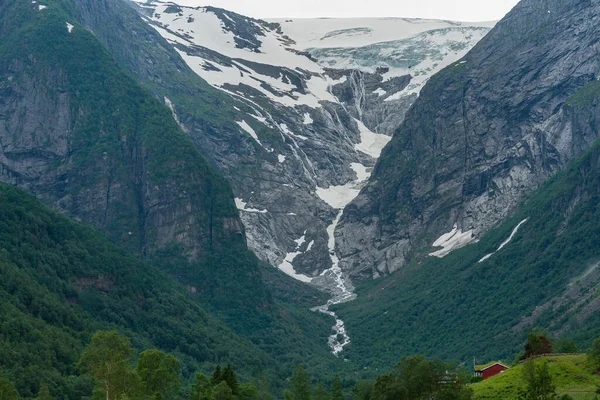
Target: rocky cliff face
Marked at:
485, 132
85, 138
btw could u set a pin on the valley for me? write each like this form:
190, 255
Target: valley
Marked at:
323, 98
329, 207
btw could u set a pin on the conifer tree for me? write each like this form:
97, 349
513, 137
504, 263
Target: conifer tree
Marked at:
228, 376
202, 389
44, 392
337, 392
300, 384
321, 393
216, 376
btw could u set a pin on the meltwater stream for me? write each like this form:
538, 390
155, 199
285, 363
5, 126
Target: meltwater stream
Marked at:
341, 291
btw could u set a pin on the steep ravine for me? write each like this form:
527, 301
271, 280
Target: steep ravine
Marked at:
296, 135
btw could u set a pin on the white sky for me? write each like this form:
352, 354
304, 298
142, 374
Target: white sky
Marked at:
463, 10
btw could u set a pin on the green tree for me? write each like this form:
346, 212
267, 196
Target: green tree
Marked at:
362, 390
202, 388
8, 391
223, 392
248, 391
565, 346
539, 382
106, 359
229, 377
159, 374
300, 384
263, 387
321, 393
593, 356
287, 395
337, 392
216, 376
417, 378
537, 343
44, 392
387, 387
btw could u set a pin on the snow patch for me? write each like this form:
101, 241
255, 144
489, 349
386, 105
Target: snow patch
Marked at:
41, 7
362, 172
281, 158
246, 127
380, 92
301, 241
507, 241
241, 205
371, 143
455, 239
287, 268
286, 265
307, 119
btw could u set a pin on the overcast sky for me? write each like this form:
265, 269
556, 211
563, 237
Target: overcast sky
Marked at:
464, 10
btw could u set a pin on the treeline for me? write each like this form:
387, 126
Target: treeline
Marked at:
119, 373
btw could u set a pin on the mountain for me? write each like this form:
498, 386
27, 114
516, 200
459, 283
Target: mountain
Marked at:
537, 270
485, 132
84, 136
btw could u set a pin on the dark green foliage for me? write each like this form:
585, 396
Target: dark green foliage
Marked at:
8, 390
223, 392
593, 356
565, 346
456, 307
337, 392
44, 393
217, 376
202, 388
362, 390
300, 384
60, 281
228, 377
537, 343
416, 378
159, 374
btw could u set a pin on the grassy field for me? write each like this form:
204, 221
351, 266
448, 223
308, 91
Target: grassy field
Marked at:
569, 374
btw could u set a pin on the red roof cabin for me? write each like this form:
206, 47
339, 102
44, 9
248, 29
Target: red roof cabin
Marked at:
491, 369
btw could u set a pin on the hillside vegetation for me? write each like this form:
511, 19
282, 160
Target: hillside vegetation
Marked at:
569, 373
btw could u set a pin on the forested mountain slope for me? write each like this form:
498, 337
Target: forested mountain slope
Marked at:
60, 282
